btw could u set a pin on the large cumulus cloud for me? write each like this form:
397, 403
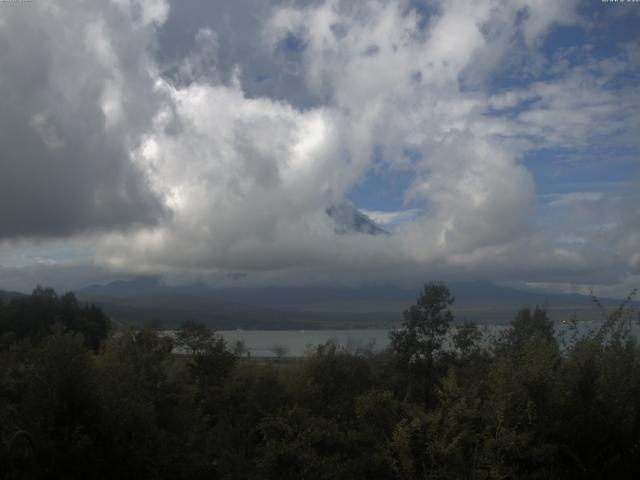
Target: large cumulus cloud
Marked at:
75, 94
200, 147
248, 179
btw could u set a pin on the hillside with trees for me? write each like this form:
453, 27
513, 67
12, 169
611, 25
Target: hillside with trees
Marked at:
80, 399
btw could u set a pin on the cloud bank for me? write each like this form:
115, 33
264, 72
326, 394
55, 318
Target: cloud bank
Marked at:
160, 138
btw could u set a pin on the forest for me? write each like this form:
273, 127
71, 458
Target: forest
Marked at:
83, 398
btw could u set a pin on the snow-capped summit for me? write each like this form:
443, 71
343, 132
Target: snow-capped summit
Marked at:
348, 219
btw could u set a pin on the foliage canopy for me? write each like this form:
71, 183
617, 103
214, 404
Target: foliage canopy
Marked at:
443, 402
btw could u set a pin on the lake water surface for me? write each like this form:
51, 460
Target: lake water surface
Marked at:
296, 343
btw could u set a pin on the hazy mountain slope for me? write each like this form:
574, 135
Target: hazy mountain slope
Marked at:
170, 309
6, 296
147, 299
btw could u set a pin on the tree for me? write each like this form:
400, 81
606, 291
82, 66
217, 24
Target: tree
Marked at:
466, 339
60, 405
528, 326
418, 344
36, 316
89, 320
210, 366
330, 378
239, 347
424, 326
279, 351
194, 336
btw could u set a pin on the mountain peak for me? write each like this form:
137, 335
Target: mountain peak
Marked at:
349, 219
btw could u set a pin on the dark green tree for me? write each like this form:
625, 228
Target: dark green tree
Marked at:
418, 344
194, 336
528, 326
36, 316
59, 407
425, 325
467, 339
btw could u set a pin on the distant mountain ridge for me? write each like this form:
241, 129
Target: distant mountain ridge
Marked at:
464, 292
310, 307
7, 296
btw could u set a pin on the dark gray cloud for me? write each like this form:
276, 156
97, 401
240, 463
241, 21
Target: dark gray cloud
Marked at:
66, 121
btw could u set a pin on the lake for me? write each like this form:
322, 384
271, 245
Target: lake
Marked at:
295, 343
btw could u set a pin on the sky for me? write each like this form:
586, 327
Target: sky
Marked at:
204, 141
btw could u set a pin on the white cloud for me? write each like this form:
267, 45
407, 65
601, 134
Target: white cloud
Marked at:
246, 178
566, 199
249, 179
144, 12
